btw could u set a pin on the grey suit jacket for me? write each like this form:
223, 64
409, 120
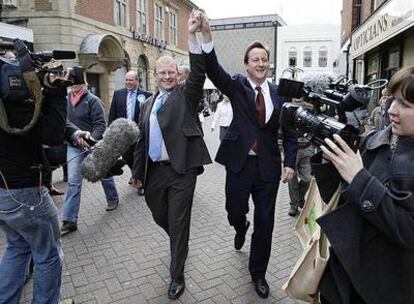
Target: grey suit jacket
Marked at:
178, 122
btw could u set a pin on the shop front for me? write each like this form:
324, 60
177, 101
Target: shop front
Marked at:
384, 43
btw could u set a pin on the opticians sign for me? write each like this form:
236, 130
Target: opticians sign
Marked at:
391, 19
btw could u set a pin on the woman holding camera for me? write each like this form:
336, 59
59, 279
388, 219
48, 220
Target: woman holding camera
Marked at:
372, 231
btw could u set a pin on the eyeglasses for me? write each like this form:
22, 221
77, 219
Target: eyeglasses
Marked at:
165, 73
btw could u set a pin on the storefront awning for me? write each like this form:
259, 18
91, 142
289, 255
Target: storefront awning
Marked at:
103, 49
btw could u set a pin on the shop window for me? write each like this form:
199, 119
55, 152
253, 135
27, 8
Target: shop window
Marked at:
142, 16
307, 57
159, 21
372, 69
293, 55
323, 57
173, 28
121, 9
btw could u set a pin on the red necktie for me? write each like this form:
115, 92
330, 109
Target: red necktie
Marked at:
260, 107
260, 113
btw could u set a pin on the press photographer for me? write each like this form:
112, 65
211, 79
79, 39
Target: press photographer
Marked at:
371, 232
32, 114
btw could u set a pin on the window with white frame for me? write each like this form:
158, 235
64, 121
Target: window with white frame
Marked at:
173, 28
142, 16
120, 11
159, 21
293, 55
323, 57
307, 57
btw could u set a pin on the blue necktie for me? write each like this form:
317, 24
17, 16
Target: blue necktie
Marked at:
130, 105
155, 136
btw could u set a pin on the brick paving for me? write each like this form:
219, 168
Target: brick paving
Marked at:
123, 256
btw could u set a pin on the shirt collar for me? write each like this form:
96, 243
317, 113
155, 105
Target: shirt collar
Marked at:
264, 86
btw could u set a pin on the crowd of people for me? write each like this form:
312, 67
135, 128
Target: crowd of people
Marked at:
371, 233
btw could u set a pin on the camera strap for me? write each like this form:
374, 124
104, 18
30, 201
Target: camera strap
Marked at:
35, 88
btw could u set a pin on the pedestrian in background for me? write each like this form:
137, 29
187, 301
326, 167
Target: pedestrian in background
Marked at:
222, 117
127, 103
86, 112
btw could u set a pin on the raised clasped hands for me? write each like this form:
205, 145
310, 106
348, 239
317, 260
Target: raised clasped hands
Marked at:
194, 21
347, 162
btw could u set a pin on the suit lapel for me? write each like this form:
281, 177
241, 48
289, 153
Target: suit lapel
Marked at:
251, 101
124, 96
275, 101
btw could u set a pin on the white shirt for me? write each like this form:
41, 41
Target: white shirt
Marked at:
266, 95
223, 115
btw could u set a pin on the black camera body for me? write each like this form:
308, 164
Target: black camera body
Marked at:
341, 96
12, 84
317, 127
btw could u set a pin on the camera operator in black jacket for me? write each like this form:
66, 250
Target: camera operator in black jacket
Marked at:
28, 216
372, 231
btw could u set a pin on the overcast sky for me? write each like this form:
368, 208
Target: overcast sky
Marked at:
291, 11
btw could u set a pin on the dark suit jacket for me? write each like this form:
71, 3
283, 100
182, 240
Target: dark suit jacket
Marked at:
118, 105
178, 122
244, 128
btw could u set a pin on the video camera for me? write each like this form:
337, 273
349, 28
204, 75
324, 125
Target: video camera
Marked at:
22, 77
13, 86
343, 96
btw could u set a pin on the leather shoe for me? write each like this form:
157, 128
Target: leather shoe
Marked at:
262, 288
293, 211
176, 289
68, 227
141, 191
241, 237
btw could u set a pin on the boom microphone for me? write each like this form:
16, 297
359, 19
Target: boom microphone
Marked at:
117, 139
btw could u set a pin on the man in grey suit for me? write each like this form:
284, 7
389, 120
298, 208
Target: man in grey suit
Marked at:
171, 152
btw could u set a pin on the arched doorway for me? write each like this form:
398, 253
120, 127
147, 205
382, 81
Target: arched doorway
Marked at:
143, 72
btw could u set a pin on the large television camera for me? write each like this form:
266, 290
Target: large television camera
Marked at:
342, 96
13, 86
22, 78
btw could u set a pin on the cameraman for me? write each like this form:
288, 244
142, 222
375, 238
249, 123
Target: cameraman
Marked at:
372, 232
28, 215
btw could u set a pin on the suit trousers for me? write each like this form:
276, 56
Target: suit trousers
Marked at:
169, 196
239, 186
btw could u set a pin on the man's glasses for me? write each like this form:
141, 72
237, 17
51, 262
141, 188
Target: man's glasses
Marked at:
165, 73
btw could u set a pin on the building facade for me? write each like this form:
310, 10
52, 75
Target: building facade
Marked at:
109, 36
312, 48
379, 35
233, 35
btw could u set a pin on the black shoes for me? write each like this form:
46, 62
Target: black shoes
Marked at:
241, 237
293, 211
176, 289
262, 288
68, 227
141, 191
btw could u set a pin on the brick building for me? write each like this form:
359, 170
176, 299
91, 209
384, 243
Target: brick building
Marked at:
378, 36
109, 36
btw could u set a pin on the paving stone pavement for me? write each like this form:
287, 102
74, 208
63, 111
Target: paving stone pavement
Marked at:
123, 256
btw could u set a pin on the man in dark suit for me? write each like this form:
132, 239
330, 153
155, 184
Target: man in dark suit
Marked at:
126, 103
171, 152
250, 151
